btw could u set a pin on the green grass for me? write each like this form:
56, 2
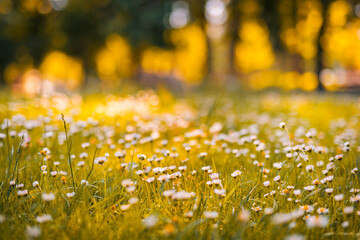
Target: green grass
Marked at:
236, 133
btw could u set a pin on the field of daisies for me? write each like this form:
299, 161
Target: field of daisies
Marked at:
152, 166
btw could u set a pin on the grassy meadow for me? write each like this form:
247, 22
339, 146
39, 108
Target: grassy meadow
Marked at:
153, 166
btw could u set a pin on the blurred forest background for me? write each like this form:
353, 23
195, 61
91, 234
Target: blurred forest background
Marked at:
256, 44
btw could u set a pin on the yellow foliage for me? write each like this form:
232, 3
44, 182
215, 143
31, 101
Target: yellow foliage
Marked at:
57, 66
157, 60
302, 39
338, 12
341, 41
307, 81
187, 60
190, 52
254, 51
29, 5
114, 61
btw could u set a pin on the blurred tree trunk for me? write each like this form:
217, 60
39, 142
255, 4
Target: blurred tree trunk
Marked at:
320, 50
197, 11
2, 77
209, 62
209, 76
233, 27
87, 74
